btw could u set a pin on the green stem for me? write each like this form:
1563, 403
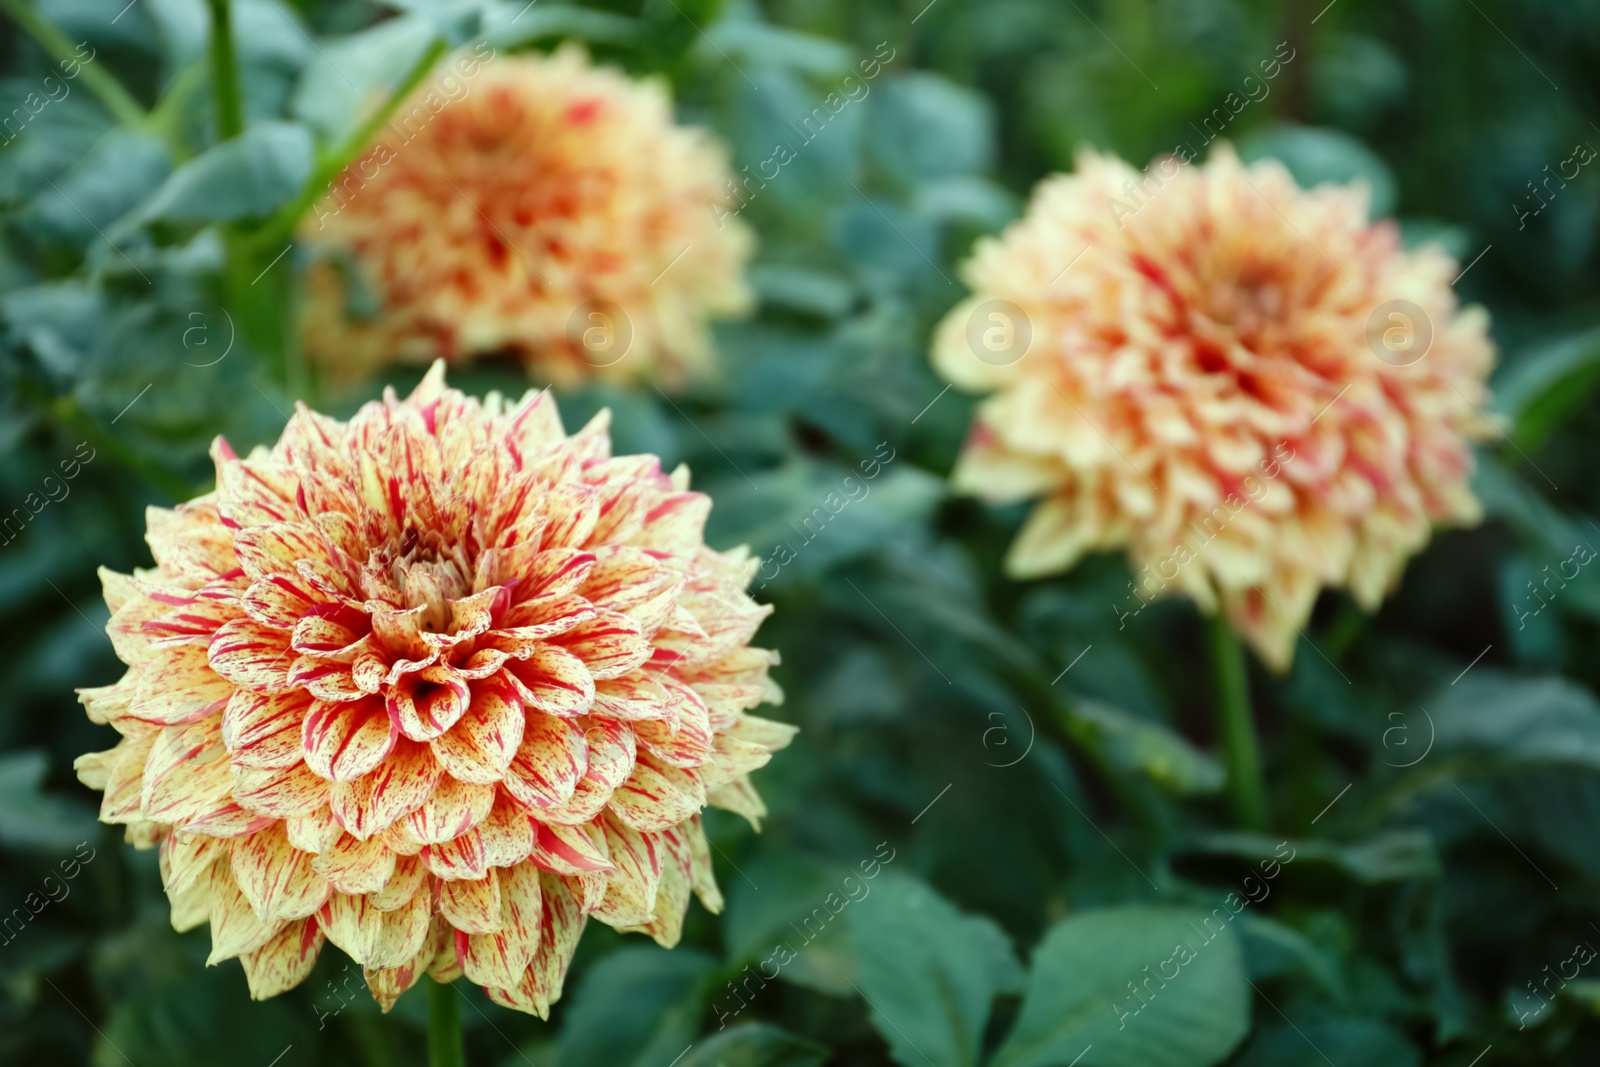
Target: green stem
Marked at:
1236, 724
445, 1048
225, 73
166, 117
101, 82
333, 162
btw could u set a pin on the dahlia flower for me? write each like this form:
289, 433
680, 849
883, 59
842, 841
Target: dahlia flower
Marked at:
435, 685
543, 207
1248, 386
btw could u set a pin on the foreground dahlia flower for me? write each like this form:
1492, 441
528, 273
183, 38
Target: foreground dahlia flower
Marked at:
1186, 362
546, 207
435, 684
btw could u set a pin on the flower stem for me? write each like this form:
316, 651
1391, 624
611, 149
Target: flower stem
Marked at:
445, 1048
100, 81
1236, 724
225, 73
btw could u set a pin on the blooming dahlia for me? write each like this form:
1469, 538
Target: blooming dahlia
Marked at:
435, 684
1201, 383
549, 208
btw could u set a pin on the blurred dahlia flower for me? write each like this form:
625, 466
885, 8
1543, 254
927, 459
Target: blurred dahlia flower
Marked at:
1249, 386
545, 207
435, 684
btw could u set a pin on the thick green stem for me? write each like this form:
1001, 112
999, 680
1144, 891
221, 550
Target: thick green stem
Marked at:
1237, 725
101, 82
445, 1048
225, 73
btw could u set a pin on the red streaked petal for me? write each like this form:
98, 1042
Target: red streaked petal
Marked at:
276, 877
548, 763
481, 745
344, 741
263, 730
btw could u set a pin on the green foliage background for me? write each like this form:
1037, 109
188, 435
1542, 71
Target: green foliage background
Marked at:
1049, 833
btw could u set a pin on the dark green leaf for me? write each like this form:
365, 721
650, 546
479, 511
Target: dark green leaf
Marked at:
928, 972
1133, 987
242, 178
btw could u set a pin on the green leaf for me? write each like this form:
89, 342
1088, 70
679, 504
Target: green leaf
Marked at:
1148, 747
1545, 385
928, 971
638, 1006
332, 96
1348, 1043
120, 170
242, 178
1513, 719
923, 126
776, 46
1273, 950
510, 25
1390, 856
1100, 994
28, 817
756, 1045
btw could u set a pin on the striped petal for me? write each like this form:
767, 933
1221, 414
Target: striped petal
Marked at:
388, 983
482, 744
569, 850
275, 877
549, 762
372, 937
554, 681
344, 741
374, 801
472, 905
461, 857
657, 796
275, 547
672, 895
610, 644
178, 686
235, 926
499, 958
429, 702
263, 730
252, 655
507, 833
282, 793
561, 925
453, 808
406, 882
630, 898
353, 866
285, 961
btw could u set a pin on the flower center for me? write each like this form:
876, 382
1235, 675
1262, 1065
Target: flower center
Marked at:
425, 572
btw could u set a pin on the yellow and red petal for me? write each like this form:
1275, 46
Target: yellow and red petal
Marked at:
344, 741
275, 877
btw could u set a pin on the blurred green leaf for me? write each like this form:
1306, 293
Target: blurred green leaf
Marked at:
30, 818
1146, 747
243, 178
637, 1007
756, 1045
1547, 384
922, 126
1348, 1043
1511, 719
